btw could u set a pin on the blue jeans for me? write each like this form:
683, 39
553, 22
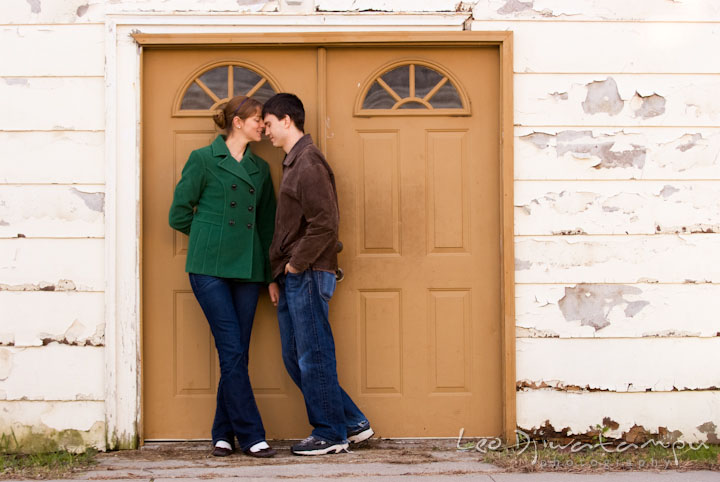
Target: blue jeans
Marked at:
229, 307
308, 350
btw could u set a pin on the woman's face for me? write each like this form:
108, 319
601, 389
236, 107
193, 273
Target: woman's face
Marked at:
252, 127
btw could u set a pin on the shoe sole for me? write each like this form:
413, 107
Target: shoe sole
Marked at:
333, 449
362, 436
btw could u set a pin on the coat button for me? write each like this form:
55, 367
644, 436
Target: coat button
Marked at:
250, 208
231, 222
252, 190
233, 204
233, 187
249, 225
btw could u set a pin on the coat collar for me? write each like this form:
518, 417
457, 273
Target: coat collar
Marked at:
243, 169
304, 141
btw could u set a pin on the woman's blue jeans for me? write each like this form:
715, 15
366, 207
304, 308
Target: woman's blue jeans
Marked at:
308, 350
229, 307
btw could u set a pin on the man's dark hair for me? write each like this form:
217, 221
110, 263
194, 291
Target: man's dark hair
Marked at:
281, 105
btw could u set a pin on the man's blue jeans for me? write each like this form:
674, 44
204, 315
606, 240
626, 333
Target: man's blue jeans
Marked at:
229, 307
308, 350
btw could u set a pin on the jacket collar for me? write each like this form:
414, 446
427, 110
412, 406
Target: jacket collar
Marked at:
243, 169
304, 141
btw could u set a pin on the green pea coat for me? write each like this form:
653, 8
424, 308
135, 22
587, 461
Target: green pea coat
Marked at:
228, 210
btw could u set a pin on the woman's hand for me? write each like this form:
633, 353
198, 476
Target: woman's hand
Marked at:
274, 291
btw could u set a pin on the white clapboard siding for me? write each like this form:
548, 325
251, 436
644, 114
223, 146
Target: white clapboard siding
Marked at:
555, 11
58, 416
619, 47
619, 207
62, 157
590, 310
52, 50
622, 153
617, 100
46, 103
618, 259
52, 211
620, 364
44, 12
28, 318
52, 372
71, 263
582, 412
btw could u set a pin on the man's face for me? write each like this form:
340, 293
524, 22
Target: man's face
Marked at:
275, 130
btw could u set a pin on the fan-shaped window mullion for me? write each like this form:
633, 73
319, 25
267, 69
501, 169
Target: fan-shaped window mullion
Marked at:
416, 86
226, 81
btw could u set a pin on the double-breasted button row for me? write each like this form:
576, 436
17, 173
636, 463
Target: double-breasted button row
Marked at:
231, 222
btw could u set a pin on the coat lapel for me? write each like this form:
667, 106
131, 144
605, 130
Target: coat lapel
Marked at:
243, 169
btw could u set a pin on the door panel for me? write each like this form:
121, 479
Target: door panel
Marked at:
419, 205
180, 367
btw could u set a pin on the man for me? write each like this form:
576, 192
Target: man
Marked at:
303, 258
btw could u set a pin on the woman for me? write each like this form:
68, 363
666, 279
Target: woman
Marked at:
226, 204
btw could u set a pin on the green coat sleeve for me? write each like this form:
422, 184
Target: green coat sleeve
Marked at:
187, 194
266, 228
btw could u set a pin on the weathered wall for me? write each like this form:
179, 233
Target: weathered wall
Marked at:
617, 166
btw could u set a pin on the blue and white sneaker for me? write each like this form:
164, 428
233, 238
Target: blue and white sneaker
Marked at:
316, 446
361, 433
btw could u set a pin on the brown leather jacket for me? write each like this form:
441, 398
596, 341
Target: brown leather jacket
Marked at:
306, 222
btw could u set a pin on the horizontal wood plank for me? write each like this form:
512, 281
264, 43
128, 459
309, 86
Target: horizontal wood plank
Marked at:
630, 259
683, 100
57, 264
619, 207
619, 365
52, 104
52, 372
684, 412
52, 50
622, 153
592, 310
31, 318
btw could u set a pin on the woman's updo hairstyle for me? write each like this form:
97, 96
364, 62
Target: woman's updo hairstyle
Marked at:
239, 106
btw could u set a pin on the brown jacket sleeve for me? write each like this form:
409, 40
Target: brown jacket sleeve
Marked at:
318, 199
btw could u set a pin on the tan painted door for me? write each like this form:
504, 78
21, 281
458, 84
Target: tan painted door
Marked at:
417, 318
180, 371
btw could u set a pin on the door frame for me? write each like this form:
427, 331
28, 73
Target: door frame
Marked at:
123, 151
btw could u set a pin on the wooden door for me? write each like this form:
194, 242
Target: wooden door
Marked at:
180, 368
417, 318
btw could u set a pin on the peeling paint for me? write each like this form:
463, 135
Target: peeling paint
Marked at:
569, 232
636, 435
559, 95
37, 438
666, 436
648, 106
591, 303
522, 332
61, 285
7, 339
82, 10
93, 200
520, 264
583, 144
668, 191
515, 6
611, 424
34, 6
72, 336
603, 97
555, 385
710, 429
4, 223
692, 142
12, 81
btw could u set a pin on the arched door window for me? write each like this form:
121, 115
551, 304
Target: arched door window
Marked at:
412, 88
212, 85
